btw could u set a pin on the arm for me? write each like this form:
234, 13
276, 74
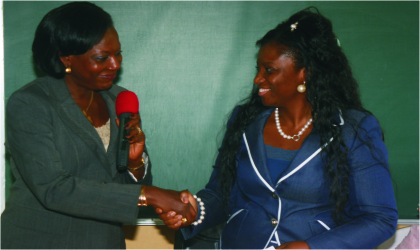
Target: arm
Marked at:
31, 122
371, 204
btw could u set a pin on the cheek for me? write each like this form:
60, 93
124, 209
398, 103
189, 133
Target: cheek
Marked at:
94, 69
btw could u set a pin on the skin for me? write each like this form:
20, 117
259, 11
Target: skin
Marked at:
277, 78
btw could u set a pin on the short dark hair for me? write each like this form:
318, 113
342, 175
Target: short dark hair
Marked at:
71, 29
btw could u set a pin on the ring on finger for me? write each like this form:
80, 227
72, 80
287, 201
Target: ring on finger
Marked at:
139, 129
184, 220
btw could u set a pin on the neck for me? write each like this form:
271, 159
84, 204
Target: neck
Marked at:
76, 91
295, 115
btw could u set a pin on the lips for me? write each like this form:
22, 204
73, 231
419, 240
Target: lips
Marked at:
263, 92
109, 77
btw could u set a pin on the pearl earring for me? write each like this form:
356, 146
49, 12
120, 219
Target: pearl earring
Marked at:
68, 70
302, 88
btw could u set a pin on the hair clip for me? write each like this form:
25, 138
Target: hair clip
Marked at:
293, 26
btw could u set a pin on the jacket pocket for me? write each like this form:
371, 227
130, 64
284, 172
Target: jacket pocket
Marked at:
232, 228
322, 222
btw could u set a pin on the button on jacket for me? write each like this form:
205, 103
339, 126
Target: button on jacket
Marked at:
264, 213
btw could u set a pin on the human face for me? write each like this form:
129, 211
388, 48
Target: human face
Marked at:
277, 78
97, 68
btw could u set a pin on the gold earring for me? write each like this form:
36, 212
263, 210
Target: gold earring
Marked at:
302, 88
68, 70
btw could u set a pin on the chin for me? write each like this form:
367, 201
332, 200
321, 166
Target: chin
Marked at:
267, 103
106, 85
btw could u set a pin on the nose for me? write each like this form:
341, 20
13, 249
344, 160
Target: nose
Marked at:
115, 62
258, 79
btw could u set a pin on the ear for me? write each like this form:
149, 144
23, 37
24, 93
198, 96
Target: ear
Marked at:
65, 60
302, 74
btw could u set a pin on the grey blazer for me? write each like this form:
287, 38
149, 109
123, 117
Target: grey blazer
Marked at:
68, 192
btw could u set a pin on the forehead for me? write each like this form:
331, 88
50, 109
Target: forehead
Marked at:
109, 42
272, 52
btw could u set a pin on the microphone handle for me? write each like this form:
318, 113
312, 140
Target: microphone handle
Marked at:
123, 145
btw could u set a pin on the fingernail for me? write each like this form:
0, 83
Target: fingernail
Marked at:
172, 213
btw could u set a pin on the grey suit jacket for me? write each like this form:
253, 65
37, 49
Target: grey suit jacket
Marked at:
68, 192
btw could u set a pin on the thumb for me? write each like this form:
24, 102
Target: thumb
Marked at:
184, 197
158, 210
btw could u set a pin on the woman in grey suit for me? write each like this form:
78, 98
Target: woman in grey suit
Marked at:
62, 136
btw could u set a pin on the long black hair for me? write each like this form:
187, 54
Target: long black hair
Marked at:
331, 90
71, 29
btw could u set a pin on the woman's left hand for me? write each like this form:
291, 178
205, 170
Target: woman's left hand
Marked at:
294, 245
136, 138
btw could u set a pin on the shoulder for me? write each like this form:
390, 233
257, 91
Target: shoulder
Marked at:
361, 128
359, 119
36, 91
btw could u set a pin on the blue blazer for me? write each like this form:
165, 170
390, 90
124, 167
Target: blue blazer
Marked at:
68, 192
263, 213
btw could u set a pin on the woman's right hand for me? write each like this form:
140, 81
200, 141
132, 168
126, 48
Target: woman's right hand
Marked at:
166, 201
174, 220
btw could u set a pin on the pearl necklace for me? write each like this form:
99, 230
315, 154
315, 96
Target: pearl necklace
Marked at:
294, 137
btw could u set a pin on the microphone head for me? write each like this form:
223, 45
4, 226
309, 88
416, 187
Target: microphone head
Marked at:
127, 102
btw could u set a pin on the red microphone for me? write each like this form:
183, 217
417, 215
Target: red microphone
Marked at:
126, 104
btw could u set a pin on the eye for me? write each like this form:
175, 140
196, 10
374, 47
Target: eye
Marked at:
118, 53
101, 58
268, 69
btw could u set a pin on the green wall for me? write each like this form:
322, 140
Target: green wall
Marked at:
191, 62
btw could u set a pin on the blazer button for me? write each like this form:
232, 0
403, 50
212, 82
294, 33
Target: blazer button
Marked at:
274, 195
274, 222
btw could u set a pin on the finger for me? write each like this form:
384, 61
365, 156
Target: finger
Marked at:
169, 215
175, 226
131, 124
185, 196
172, 221
158, 210
135, 116
117, 121
136, 135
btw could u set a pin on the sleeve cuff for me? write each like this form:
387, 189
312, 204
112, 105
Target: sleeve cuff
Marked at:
146, 164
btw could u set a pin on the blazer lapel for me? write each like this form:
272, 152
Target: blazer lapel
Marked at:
112, 149
310, 148
73, 117
255, 144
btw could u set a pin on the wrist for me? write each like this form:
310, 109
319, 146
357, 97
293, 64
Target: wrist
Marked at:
142, 198
150, 194
200, 216
136, 167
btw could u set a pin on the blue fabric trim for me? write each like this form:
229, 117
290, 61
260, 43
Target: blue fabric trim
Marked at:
278, 160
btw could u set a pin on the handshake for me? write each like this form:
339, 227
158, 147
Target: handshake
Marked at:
176, 209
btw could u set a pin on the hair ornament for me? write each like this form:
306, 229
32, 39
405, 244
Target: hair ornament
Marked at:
293, 26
